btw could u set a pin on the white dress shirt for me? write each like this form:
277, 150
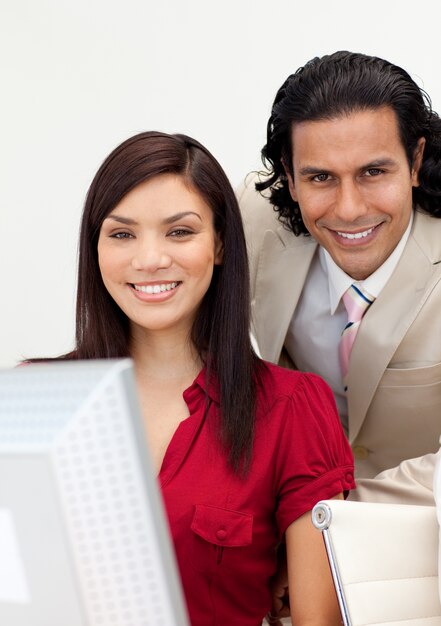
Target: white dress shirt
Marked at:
320, 316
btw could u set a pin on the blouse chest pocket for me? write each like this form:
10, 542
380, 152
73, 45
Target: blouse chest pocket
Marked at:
218, 537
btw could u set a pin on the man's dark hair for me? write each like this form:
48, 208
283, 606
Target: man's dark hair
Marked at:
339, 84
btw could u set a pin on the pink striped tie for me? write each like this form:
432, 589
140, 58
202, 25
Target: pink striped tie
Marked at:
357, 301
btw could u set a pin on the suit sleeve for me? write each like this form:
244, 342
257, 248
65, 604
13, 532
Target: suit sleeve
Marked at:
411, 482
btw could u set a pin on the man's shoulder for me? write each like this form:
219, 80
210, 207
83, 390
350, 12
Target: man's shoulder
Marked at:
426, 231
259, 217
255, 206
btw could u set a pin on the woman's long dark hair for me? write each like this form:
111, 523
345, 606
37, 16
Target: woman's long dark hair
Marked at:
221, 330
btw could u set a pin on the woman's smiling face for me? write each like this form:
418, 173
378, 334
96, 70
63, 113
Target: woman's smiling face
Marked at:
156, 253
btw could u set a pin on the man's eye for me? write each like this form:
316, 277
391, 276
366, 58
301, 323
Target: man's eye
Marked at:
321, 178
373, 171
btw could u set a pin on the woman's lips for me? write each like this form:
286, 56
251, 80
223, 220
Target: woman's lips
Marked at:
155, 292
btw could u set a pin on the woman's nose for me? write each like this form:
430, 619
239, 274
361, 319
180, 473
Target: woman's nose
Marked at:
150, 257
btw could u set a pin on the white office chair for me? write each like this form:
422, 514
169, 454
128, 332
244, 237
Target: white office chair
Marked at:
384, 562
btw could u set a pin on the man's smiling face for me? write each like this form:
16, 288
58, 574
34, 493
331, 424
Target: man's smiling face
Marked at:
353, 183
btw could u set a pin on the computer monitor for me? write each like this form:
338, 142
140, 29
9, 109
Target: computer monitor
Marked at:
84, 539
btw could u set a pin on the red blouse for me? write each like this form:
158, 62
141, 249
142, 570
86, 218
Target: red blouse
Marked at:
225, 528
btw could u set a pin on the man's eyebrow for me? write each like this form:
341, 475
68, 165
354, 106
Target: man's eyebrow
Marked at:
309, 170
386, 162
312, 170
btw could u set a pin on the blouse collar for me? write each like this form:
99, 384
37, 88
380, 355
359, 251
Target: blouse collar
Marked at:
200, 386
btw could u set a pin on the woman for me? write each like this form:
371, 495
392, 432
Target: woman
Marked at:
243, 449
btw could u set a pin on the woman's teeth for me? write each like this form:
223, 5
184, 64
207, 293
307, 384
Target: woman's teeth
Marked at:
155, 288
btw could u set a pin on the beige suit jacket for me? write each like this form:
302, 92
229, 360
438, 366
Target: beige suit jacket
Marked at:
394, 379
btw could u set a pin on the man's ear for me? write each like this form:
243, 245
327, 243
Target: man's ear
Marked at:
417, 161
291, 185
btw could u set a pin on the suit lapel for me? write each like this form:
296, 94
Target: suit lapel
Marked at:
282, 267
386, 323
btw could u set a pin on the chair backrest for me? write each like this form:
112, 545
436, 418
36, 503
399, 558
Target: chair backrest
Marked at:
384, 561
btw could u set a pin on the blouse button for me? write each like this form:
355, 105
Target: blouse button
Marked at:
221, 534
349, 477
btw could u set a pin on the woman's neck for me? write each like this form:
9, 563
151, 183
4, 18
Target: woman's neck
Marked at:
166, 364
164, 356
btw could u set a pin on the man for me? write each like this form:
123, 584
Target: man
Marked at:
354, 176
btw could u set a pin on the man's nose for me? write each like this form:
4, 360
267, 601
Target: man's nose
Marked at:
350, 202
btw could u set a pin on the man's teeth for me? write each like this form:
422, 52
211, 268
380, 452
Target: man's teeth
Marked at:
155, 288
365, 233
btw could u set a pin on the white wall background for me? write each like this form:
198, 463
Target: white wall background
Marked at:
79, 76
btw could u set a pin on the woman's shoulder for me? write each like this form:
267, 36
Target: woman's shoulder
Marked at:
293, 396
283, 381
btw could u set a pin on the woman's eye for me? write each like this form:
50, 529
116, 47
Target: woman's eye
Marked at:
180, 232
121, 235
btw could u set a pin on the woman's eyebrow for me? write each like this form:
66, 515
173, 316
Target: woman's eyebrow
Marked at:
179, 216
168, 220
122, 220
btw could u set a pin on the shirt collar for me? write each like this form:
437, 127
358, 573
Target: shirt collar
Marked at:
339, 281
201, 386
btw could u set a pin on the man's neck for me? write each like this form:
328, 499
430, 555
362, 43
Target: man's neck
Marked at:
339, 281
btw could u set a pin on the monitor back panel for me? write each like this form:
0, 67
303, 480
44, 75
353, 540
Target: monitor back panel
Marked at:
79, 505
